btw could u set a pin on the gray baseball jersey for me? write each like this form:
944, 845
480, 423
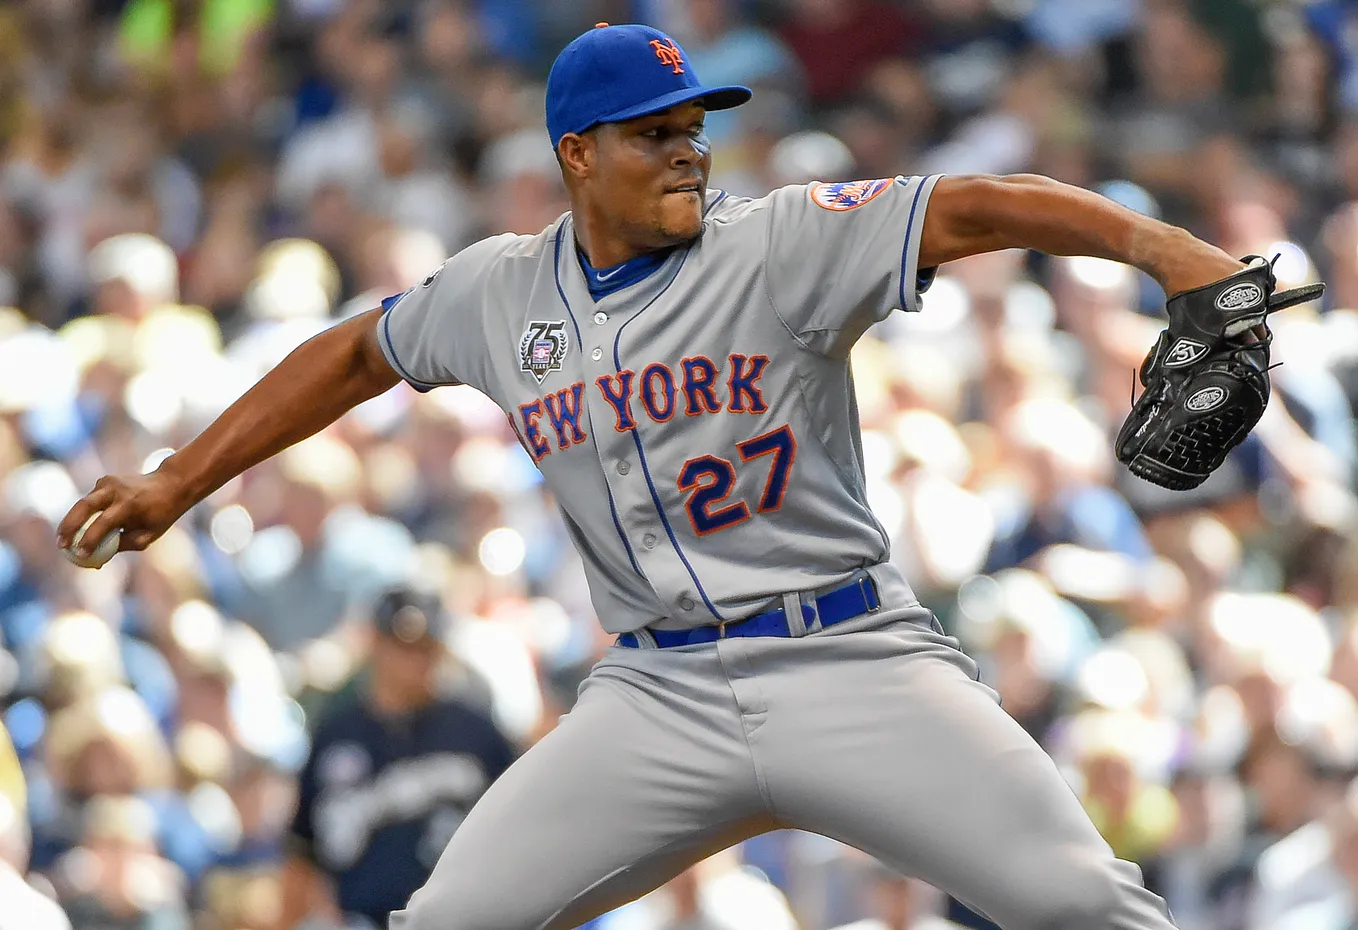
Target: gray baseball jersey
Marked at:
698, 428
699, 431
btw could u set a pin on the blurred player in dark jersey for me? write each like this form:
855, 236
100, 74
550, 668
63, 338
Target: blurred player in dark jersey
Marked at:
394, 767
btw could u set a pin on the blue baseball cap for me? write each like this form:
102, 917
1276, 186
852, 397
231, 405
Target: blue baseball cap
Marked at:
616, 73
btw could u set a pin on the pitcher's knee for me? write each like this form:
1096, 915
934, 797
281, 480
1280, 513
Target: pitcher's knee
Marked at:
416, 915
1088, 903
463, 908
1091, 895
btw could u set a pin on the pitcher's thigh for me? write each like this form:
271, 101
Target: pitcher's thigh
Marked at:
610, 804
910, 760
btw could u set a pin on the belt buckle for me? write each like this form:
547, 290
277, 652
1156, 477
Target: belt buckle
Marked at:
867, 601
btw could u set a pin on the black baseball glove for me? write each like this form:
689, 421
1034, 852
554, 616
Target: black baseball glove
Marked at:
1206, 380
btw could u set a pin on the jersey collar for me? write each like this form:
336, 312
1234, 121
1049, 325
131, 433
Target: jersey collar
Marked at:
575, 287
644, 276
604, 281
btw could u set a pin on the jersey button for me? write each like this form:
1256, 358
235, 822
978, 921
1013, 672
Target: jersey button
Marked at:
597, 354
685, 603
623, 468
648, 540
601, 318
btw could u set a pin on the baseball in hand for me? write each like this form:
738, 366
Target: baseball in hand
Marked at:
107, 548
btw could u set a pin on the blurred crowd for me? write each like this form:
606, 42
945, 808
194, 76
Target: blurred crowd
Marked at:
189, 190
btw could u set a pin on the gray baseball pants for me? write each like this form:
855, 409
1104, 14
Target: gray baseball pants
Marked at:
874, 732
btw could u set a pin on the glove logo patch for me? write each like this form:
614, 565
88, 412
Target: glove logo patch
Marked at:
1185, 352
1206, 399
1241, 297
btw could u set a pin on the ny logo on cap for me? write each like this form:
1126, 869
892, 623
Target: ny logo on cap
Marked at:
669, 55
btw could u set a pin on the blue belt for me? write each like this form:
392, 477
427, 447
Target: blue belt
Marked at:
854, 599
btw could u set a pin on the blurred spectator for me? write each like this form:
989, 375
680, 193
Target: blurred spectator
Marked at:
1321, 889
157, 32
243, 888
715, 894
1208, 828
1070, 27
969, 52
132, 274
1132, 810
106, 744
1331, 21
292, 597
838, 41
115, 878
1065, 459
522, 183
899, 903
143, 187
393, 770
1032, 641
417, 190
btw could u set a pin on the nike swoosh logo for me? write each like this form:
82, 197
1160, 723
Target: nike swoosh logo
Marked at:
605, 277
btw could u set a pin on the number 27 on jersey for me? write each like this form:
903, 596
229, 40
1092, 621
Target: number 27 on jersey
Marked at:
710, 479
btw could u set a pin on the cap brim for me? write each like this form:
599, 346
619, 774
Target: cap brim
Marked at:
713, 98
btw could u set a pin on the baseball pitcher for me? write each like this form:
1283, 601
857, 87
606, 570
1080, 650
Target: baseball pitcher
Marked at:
675, 359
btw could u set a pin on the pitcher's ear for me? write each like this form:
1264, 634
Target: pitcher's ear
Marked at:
576, 153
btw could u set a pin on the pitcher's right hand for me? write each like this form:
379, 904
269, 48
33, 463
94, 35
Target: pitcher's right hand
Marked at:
142, 506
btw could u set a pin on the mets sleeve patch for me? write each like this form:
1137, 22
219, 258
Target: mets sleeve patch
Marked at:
846, 195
